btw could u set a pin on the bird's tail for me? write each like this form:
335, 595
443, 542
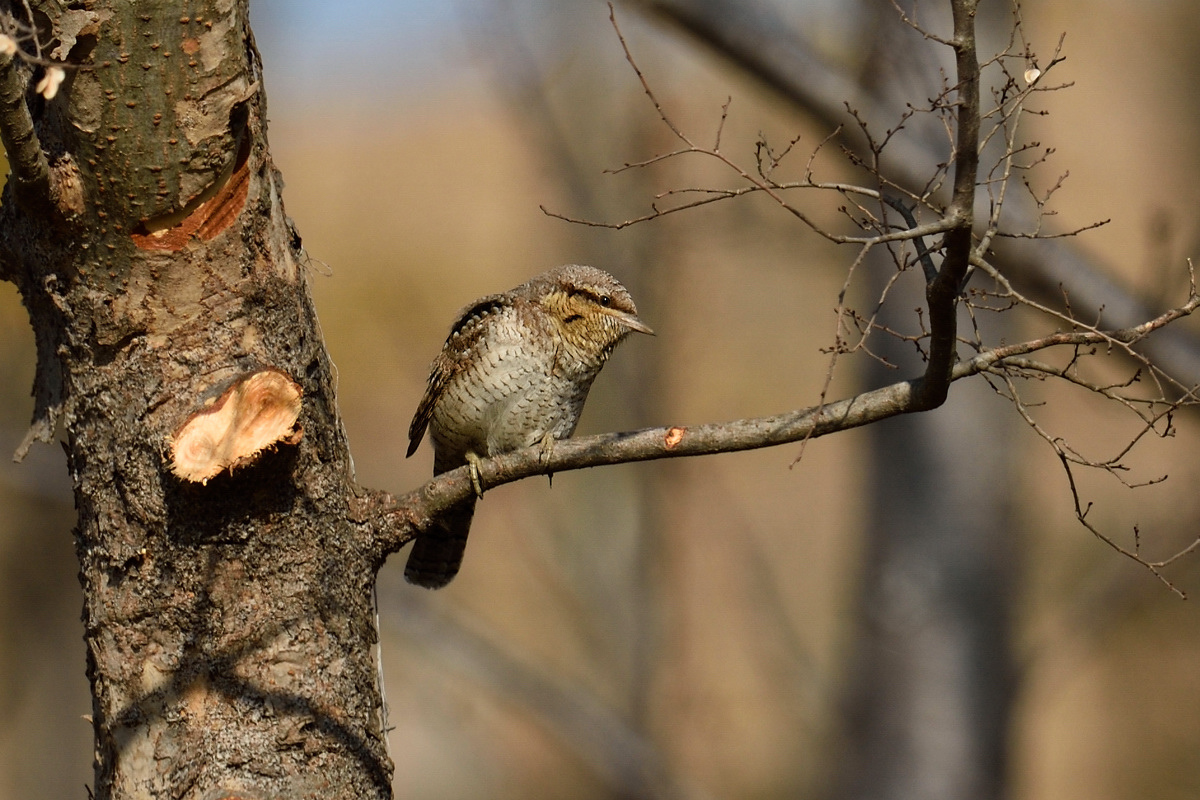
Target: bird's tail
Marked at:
438, 552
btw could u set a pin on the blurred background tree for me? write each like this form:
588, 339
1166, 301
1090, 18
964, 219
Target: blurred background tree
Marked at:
706, 628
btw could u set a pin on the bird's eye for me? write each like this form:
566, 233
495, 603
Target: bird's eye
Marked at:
605, 300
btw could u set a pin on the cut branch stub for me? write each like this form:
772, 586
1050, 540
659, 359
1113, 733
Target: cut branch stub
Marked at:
257, 412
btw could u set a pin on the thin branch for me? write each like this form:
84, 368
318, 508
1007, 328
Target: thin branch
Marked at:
942, 294
612, 18
761, 183
398, 519
922, 251
1069, 461
28, 163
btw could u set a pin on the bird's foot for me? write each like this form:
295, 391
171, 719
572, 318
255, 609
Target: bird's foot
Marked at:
547, 447
546, 450
476, 478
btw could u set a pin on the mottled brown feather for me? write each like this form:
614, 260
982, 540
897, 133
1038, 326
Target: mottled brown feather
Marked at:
464, 335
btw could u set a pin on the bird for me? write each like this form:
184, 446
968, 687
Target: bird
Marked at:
514, 372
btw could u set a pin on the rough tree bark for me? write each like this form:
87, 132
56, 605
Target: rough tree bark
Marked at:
229, 628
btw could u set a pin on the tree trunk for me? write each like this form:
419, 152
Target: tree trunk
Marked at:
230, 633
929, 690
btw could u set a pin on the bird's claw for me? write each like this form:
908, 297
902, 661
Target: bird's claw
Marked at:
476, 478
546, 450
547, 447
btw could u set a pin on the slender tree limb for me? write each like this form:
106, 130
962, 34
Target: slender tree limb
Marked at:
942, 294
923, 254
30, 169
397, 520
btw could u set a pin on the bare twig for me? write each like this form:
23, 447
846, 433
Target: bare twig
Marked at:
30, 169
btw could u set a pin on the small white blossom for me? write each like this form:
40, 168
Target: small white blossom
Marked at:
47, 87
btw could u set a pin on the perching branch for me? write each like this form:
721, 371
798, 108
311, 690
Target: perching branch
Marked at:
396, 520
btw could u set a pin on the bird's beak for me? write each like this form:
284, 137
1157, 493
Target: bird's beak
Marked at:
631, 322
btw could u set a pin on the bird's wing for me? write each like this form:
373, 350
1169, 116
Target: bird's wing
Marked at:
420, 421
464, 336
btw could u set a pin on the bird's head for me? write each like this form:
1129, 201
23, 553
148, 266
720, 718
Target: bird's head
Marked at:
591, 308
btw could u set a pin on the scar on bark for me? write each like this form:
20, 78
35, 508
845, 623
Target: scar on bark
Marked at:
259, 411
208, 214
